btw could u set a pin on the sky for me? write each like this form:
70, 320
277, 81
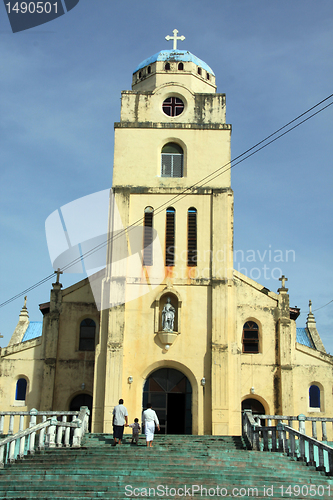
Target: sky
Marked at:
60, 95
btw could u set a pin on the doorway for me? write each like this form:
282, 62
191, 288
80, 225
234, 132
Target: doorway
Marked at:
82, 400
170, 393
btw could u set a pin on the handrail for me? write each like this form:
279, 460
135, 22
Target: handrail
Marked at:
58, 434
298, 444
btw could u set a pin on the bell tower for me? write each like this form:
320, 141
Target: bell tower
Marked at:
172, 193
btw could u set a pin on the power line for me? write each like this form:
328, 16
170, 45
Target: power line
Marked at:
202, 182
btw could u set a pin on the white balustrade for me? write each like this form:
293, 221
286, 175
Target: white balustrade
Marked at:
50, 432
282, 437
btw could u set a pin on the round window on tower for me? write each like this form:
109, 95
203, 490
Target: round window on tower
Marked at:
173, 106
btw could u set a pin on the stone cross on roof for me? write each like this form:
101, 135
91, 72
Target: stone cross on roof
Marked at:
175, 38
283, 279
58, 272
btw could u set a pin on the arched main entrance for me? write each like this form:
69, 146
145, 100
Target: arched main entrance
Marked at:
170, 393
254, 405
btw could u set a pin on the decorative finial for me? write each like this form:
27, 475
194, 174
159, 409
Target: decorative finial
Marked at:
25, 302
310, 306
175, 38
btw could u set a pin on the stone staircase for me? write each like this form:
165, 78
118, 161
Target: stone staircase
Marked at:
176, 467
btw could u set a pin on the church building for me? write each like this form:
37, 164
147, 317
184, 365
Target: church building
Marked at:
174, 324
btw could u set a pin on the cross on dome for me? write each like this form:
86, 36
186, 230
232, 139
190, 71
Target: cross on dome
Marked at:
175, 38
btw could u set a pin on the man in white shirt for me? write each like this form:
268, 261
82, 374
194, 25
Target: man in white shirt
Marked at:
149, 419
120, 419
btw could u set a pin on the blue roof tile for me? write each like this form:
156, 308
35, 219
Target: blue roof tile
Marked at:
174, 55
33, 331
303, 337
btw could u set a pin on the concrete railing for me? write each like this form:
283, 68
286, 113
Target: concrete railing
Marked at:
49, 433
283, 438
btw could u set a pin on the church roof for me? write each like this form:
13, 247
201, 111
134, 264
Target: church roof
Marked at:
174, 55
303, 337
33, 331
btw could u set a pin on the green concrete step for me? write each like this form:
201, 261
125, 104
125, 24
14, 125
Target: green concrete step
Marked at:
99, 470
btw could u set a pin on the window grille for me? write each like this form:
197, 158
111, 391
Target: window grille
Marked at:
148, 237
170, 237
172, 160
251, 337
173, 106
192, 237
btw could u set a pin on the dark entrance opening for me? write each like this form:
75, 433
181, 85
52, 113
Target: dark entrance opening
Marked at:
176, 407
256, 407
82, 400
170, 393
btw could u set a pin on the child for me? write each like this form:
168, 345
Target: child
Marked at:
135, 431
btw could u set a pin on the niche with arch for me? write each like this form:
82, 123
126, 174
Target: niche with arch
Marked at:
168, 315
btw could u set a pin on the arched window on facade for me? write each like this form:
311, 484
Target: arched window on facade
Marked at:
170, 237
192, 237
314, 397
181, 66
148, 236
199, 71
21, 389
172, 160
251, 337
167, 66
87, 335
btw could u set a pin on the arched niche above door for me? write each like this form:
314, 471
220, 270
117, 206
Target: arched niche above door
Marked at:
168, 315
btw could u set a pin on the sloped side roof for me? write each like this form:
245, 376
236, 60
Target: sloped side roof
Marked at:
303, 337
33, 331
174, 55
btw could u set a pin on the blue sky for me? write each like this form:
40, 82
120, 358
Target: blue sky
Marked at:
60, 95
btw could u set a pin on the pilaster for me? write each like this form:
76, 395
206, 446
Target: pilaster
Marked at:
50, 347
285, 350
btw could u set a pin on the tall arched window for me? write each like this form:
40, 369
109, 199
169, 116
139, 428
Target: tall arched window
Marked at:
87, 335
192, 237
148, 236
170, 237
21, 389
314, 397
251, 337
172, 160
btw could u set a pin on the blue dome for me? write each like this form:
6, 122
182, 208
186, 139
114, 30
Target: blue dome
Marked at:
174, 55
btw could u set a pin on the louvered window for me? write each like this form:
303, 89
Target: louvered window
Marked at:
192, 237
170, 237
148, 237
251, 337
172, 160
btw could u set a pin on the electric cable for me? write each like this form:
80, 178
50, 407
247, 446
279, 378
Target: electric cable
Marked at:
202, 182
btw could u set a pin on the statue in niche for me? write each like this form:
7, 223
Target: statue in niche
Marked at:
168, 316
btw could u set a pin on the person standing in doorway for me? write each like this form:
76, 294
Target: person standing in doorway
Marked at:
149, 419
119, 421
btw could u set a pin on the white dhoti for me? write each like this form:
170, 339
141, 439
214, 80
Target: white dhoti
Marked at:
149, 430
